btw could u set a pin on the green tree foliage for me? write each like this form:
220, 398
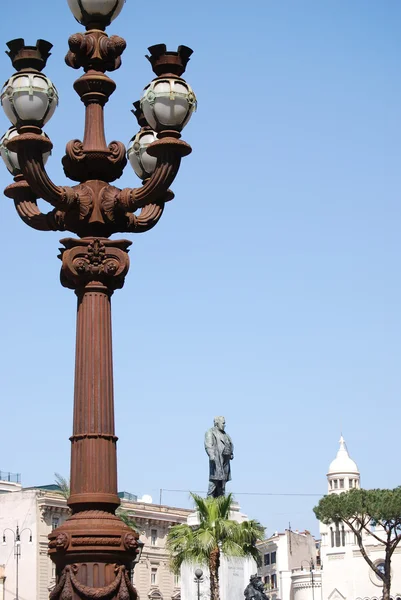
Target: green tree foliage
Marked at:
215, 535
360, 509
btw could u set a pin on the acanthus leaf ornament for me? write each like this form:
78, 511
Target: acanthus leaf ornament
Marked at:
94, 260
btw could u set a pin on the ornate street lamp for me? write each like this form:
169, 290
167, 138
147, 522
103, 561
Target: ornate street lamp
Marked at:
17, 551
94, 551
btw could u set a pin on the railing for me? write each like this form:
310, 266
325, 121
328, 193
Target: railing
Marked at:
11, 477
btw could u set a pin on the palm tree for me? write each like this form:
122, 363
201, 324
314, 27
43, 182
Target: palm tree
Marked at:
216, 535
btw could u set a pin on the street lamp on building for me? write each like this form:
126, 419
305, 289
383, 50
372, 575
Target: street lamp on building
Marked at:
17, 551
94, 550
311, 566
198, 579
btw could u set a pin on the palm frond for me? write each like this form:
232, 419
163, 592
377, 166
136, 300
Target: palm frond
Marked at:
63, 484
127, 518
224, 504
201, 505
230, 548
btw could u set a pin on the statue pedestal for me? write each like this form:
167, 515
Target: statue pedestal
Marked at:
234, 573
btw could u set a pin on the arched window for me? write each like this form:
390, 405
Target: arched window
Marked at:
332, 537
343, 535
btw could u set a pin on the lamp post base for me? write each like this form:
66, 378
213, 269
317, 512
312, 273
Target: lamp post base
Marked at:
93, 552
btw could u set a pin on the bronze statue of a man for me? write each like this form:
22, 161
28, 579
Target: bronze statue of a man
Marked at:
220, 450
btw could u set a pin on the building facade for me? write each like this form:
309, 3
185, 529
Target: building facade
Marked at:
290, 559
346, 574
37, 511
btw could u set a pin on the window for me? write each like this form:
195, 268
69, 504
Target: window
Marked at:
343, 535
266, 560
153, 537
338, 539
332, 537
351, 482
177, 580
267, 580
273, 581
153, 575
342, 484
336, 484
55, 522
273, 558
331, 484
380, 566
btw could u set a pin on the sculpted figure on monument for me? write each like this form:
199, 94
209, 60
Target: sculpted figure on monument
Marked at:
219, 448
255, 590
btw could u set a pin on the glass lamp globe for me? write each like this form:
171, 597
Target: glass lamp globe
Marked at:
11, 158
29, 97
101, 12
142, 163
168, 102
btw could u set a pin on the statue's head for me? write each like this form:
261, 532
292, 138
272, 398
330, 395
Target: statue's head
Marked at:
220, 423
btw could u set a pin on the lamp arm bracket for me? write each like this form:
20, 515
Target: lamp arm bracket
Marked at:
27, 208
168, 152
147, 218
30, 148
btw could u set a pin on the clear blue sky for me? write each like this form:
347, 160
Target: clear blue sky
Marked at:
270, 290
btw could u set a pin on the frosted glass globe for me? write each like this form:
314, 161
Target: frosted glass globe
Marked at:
11, 158
29, 97
142, 163
168, 102
87, 11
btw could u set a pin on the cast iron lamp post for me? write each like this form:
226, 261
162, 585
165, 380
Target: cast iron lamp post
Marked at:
94, 551
17, 551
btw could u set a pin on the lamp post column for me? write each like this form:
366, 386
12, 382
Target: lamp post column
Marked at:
93, 550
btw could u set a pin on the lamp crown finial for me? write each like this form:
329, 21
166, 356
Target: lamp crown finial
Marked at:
169, 63
28, 57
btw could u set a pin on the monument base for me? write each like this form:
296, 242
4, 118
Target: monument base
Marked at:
234, 573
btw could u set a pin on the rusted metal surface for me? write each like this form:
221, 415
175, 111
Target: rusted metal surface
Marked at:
93, 550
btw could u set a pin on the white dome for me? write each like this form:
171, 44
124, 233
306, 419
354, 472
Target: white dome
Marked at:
343, 463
